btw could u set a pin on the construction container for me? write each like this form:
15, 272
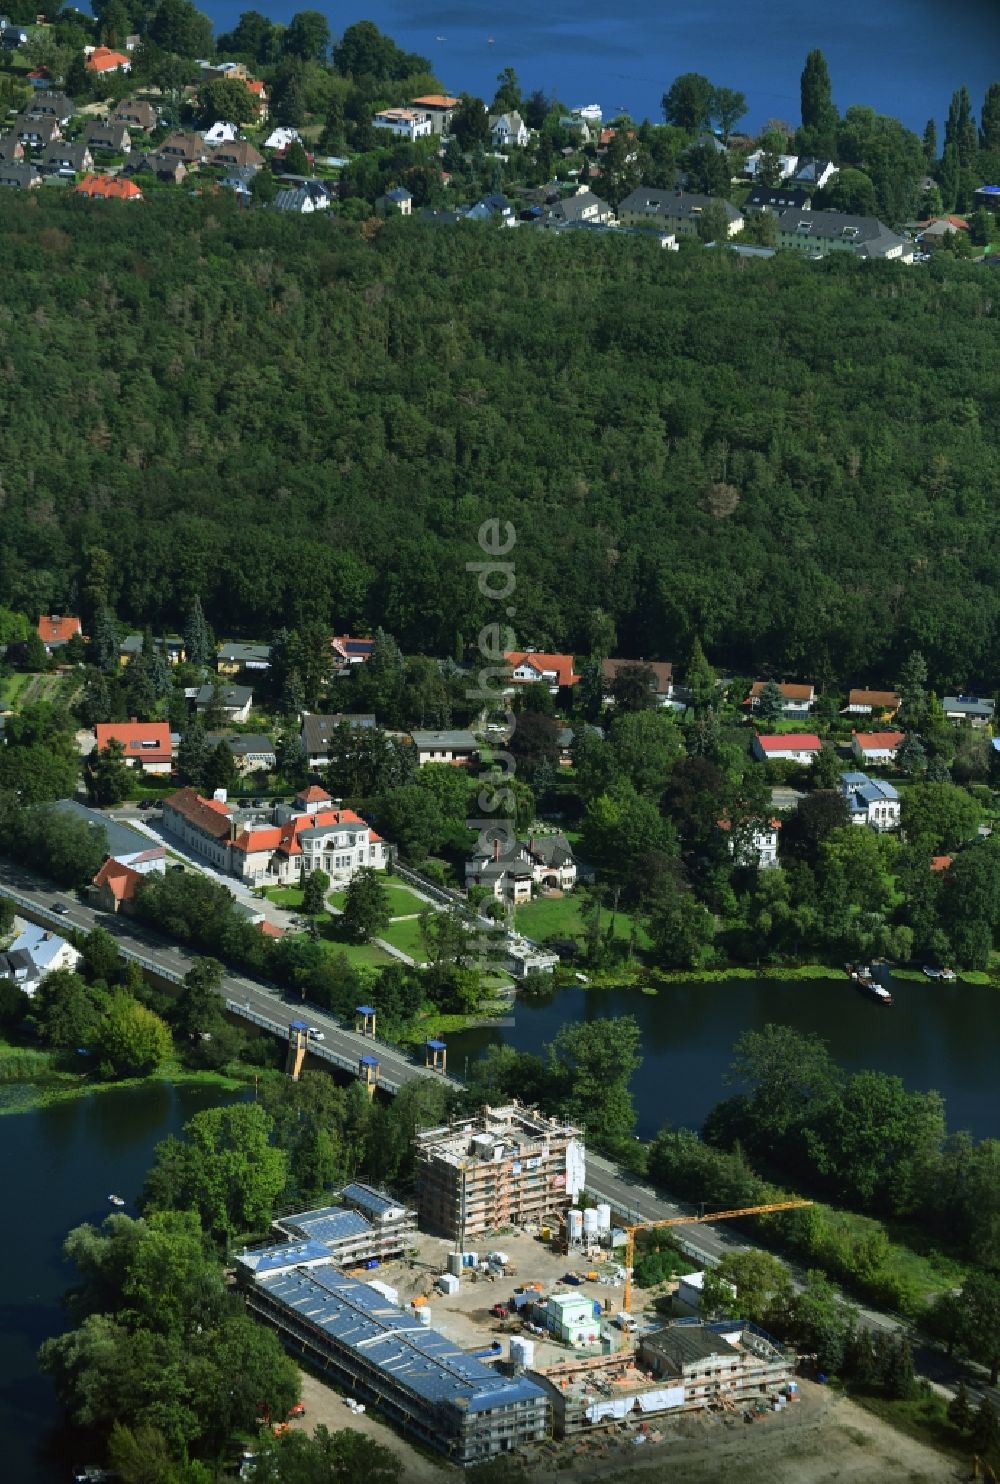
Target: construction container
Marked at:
447, 1282
456, 1262
603, 1217
546, 1234
590, 1223
574, 1224
419, 1301
592, 1277
424, 1315
497, 1259
522, 1352
470, 1259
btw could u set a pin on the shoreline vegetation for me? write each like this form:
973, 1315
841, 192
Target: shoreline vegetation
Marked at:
30, 1080
651, 980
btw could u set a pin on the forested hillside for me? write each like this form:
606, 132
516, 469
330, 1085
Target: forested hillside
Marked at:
798, 462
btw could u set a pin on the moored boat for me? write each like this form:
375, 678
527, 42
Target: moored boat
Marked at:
868, 984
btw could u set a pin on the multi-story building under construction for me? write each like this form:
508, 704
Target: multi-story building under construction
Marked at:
508, 1166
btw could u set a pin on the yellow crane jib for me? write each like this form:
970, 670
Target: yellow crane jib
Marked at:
638, 1226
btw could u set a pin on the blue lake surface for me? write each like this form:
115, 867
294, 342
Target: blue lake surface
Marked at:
903, 57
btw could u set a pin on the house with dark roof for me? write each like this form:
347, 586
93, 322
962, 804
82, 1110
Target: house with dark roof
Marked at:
239, 658
62, 158
167, 168
110, 138
679, 211
704, 1362
976, 710
584, 206
234, 701
19, 175
185, 146
236, 154
871, 801
11, 149
37, 130
124, 844
202, 825
136, 115
48, 104
661, 684
456, 747
814, 172
253, 752
349, 649
319, 734
397, 200
819, 233
778, 198
511, 868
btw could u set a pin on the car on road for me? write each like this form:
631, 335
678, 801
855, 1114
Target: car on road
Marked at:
147, 804
61, 908
315, 1034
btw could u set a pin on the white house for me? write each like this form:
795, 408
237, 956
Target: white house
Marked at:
793, 747
787, 165
876, 747
221, 133
862, 702
532, 666
871, 801
457, 747
35, 952
281, 138
507, 130
759, 848
405, 123
798, 699
541, 860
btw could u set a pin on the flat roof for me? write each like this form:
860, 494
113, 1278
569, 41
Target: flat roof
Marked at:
329, 1224
122, 838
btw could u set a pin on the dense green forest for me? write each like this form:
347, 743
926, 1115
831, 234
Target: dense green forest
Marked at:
308, 420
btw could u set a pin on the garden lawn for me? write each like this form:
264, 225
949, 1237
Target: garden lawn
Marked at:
361, 955
402, 901
559, 917
406, 936
285, 896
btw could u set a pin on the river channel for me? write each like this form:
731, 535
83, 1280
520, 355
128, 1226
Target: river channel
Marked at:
938, 1036
58, 1166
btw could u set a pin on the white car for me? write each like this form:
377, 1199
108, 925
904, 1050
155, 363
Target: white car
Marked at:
315, 1034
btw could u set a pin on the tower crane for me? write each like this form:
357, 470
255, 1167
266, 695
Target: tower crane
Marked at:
637, 1226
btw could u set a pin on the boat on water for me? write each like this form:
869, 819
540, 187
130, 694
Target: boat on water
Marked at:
868, 984
948, 975
116, 1200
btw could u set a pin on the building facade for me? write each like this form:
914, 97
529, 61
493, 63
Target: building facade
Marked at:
718, 1364
508, 1166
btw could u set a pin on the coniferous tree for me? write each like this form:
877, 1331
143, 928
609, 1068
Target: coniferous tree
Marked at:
819, 113
989, 119
960, 1412
193, 754
930, 142
104, 641
198, 644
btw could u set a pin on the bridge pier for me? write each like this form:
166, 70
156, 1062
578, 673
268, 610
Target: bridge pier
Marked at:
368, 1071
298, 1043
364, 1020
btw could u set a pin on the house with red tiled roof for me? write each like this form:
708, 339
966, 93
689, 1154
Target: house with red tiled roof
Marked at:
798, 699
108, 188
55, 631
792, 747
202, 825
114, 885
876, 747
102, 59
148, 744
259, 94
534, 666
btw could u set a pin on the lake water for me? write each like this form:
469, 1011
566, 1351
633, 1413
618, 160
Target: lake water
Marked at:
58, 1166
903, 57
938, 1036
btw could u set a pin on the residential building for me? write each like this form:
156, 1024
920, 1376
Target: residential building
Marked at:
583, 207
367, 1224
253, 752
590, 1393
239, 659
505, 1166
234, 701
405, 123
863, 702
444, 1397
339, 842
821, 232
55, 630
221, 132
135, 115
810, 171
876, 747
37, 130
534, 667
51, 105
439, 107
35, 952
976, 710
259, 94
171, 646
298, 200
108, 188
114, 886
125, 845
661, 685
398, 200
112, 139
239, 181
521, 957
148, 744
871, 801
350, 650
203, 826
490, 208
757, 846
19, 175
103, 60
540, 860
508, 130
787, 165
186, 146
167, 168
12, 36
67, 159
11, 149
456, 747
239, 154
716, 1364
679, 211
778, 198
318, 732
798, 699
792, 747
281, 138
